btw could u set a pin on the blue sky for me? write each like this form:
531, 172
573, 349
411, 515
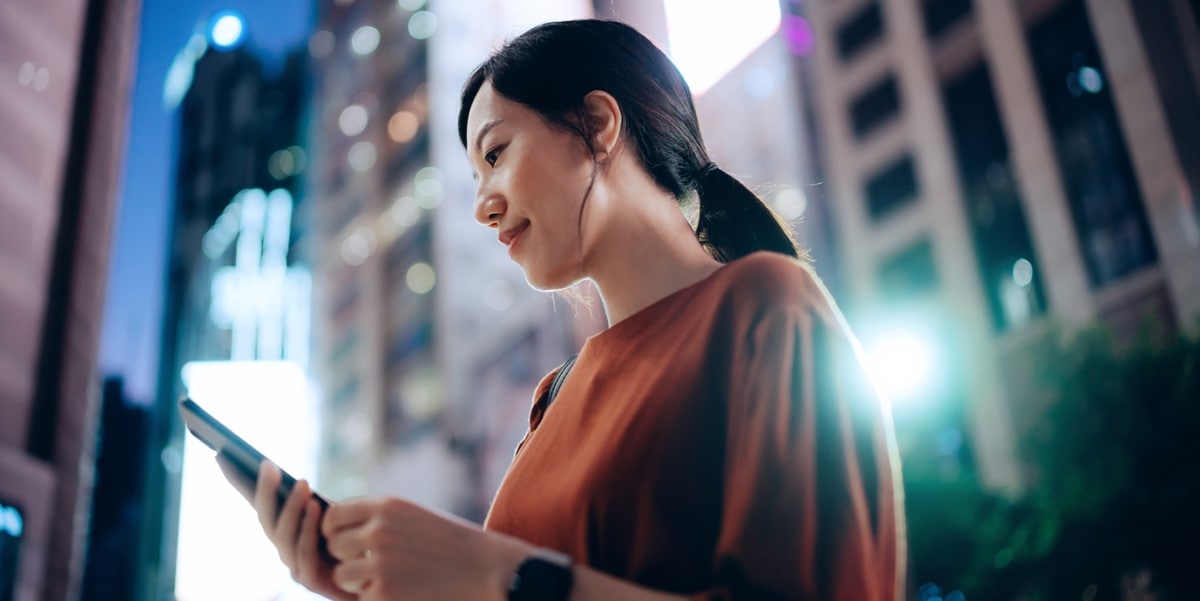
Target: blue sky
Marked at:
133, 304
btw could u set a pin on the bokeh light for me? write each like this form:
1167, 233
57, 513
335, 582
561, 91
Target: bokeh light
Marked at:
420, 278
228, 30
365, 40
353, 120
362, 156
403, 126
422, 25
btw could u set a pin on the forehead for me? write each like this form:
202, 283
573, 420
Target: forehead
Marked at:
487, 106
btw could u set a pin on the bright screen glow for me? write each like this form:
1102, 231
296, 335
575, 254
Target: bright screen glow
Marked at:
708, 38
223, 554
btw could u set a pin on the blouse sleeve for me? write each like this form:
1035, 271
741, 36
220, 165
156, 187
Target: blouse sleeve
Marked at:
811, 481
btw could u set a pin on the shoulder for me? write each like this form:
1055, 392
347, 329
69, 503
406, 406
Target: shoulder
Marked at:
769, 279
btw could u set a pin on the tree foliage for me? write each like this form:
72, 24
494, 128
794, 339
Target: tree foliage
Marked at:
1113, 506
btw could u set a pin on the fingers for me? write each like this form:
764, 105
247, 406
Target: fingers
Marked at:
354, 576
346, 545
308, 559
348, 514
264, 495
287, 525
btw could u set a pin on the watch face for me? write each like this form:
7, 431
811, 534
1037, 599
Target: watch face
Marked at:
541, 579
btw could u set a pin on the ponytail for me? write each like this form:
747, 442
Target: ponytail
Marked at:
734, 221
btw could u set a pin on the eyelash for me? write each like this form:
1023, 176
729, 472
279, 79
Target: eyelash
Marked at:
493, 155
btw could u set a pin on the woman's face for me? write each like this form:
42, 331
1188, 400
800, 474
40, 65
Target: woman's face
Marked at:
531, 181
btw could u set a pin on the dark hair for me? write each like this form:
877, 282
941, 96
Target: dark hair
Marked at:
553, 67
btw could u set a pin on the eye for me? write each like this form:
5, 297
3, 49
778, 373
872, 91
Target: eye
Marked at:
493, 155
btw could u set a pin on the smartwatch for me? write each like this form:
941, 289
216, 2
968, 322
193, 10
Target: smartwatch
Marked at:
544, 576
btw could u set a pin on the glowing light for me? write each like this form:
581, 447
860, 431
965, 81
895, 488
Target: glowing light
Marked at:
362, 156
270, 404
420, 278
228, 30
903, 365
179, 75
422, 25
1022, 272
353, 120
705, 43
365, 40
358, 246
320, 44
11, 521
428, 184
403, 126
284, 163
499, 295
791, 203
41, 79
25, 74
799, 34
260, 299
410, 5
1091, 80
405, 212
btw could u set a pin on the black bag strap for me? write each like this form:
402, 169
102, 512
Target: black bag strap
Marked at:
559, 378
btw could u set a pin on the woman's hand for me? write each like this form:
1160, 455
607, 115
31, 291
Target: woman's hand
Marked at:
392, 549
295, 532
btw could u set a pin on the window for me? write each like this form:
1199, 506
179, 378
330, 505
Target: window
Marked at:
1003, 249
875, 106
908, 273
860, 31
1106, 204
939, 15
893, 187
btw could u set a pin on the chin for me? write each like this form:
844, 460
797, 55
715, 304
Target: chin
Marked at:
548, 278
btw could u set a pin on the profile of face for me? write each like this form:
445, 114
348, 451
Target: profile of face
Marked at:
531, 180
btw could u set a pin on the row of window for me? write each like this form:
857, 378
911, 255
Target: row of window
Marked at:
865, 27
1104, 197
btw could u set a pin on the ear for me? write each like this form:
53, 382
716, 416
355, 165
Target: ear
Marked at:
606, 121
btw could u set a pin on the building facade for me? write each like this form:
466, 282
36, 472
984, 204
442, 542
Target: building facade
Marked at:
1001, 166
65, 76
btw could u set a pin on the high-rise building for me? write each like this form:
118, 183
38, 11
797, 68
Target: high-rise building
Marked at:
236, 233
1002, 165
65, 76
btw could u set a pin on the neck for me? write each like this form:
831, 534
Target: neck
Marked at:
646, 255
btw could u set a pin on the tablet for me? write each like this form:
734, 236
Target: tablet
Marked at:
240, 454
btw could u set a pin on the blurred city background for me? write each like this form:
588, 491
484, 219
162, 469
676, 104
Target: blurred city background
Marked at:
264, 204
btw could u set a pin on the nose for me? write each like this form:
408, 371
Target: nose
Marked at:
490, 211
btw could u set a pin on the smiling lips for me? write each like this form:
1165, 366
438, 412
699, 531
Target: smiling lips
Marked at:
509, 236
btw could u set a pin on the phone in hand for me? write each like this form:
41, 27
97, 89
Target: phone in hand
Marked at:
245, 458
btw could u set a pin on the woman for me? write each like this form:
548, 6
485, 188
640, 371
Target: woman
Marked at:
717, 441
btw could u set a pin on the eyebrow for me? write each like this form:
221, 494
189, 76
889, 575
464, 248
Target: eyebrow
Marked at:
483, 130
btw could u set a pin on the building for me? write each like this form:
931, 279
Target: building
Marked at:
1000, 166
236, 236
427, 342
65, 76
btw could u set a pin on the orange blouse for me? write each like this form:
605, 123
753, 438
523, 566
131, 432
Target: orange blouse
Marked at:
722, 443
